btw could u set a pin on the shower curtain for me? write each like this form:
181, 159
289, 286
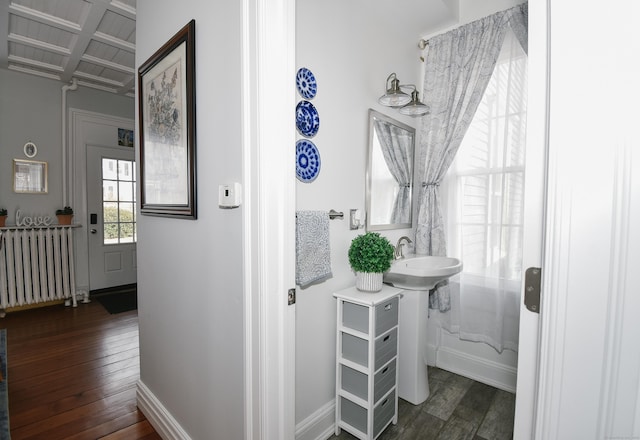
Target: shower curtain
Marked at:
458, 68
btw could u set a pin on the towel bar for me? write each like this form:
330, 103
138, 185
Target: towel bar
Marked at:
333, 214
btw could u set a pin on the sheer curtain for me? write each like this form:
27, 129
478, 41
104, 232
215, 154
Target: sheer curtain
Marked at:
397, 144
484, 208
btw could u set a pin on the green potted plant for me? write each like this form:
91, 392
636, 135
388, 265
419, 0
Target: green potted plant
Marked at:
370, 256
65, 215
3, 217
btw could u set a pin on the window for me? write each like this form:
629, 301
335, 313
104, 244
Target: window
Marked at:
485, 206
118, 201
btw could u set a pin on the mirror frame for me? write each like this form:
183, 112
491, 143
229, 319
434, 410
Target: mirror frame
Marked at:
373, 114
22, 169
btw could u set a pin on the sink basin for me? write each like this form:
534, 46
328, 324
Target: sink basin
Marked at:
421, 272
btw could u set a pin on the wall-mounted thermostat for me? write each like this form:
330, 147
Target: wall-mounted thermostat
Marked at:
229, 195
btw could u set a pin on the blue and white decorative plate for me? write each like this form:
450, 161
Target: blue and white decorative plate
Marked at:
306, 83
307, 161
307, 119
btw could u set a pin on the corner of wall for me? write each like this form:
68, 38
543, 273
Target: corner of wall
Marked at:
320, 425
159, 417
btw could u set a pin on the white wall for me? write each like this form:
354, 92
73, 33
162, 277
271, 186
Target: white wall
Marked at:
190, 271
343, 45
30, 109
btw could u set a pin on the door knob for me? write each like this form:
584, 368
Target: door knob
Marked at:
93, 231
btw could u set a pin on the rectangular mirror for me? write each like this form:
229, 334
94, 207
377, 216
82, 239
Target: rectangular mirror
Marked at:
30, 176
389, 173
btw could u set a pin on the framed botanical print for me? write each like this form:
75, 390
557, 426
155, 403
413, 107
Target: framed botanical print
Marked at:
167, 130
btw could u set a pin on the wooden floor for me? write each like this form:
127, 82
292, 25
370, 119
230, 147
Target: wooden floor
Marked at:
72, 374
457, 408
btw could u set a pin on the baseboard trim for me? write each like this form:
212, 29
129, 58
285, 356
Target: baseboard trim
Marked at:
161, 420
476, 368
320, 425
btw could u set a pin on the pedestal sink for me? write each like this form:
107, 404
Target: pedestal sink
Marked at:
417, 274
421, 272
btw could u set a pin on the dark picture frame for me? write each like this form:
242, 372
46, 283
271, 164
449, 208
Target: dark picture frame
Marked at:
167, 128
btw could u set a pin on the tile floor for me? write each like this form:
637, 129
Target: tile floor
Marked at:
457, 408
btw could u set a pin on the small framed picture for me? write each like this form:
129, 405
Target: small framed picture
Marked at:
125, 137
30, 149
30, 176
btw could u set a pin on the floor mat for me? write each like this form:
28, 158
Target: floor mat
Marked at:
119, 302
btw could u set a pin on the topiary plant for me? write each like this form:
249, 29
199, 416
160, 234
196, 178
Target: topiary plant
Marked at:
371, 253
64, 211
3, 211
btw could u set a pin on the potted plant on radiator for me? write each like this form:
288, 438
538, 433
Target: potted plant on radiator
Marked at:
3, 217
65, 215
370, 256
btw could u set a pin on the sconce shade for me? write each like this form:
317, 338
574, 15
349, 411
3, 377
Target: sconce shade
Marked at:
394, 97
415, 107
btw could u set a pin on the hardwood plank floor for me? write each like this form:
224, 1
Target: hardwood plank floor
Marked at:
72, 374
458, 408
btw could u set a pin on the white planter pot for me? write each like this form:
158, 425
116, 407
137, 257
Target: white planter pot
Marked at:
369, 281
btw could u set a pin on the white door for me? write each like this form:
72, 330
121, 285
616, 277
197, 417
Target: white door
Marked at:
528, 344
111, 203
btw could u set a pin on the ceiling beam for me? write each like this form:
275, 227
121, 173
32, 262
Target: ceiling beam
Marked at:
20, 39
83, 38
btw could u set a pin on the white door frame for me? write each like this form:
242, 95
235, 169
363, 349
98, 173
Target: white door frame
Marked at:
537, 147
268, 94
83, 125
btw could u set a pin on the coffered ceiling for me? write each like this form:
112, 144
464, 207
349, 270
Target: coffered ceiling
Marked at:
90, 40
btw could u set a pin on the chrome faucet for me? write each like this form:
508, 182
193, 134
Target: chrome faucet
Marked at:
398, 252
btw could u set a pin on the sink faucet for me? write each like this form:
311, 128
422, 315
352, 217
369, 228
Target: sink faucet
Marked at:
398, 252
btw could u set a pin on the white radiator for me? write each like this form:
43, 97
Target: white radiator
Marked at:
36, 265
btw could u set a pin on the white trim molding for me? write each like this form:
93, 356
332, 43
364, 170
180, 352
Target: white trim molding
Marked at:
621, 359
269, 218
479, 369
159, 417
85, 127
320, 425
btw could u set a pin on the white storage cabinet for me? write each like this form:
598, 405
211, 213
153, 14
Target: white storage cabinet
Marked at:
366, 361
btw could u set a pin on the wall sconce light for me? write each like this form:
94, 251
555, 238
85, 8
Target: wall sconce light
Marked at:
395, 97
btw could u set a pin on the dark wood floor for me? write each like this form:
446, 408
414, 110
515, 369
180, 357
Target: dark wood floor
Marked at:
72, 374
457, 408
